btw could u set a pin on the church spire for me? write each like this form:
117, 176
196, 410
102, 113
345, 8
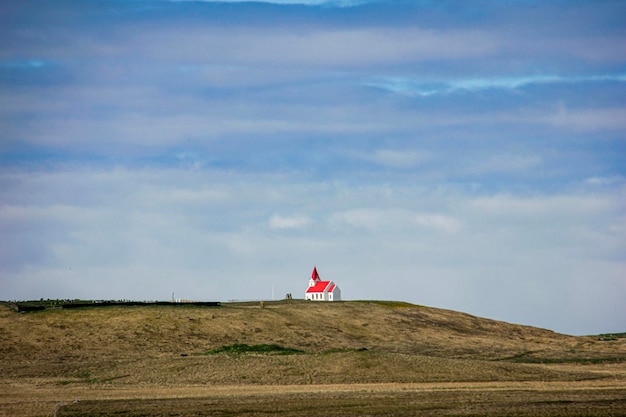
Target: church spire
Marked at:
314, 275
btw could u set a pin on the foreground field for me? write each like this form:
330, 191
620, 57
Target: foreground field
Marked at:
344, 359
425, 399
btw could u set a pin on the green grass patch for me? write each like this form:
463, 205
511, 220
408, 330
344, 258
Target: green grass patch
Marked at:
609, 337
239, 348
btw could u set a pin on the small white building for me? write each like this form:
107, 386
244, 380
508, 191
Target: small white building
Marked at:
322, 290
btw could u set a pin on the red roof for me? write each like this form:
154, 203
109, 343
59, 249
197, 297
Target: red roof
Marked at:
319, 286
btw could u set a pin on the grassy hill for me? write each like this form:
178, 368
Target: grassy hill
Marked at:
321, 343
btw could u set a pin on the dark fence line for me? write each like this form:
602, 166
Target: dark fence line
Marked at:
25, 308
30, 308
141, 303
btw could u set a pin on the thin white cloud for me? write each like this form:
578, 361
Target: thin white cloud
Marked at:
288, 222
394, 221
506, 163
439, 222
393, 158
605, 181
312, 47
541, 206
588, 119
427, 87
27, 64
327, 3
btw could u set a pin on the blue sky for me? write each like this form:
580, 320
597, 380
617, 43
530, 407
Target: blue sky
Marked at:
463, 155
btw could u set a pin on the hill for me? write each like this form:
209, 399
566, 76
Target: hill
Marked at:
364, 357
340, 342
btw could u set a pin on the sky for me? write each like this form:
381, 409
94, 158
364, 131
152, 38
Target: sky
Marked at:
462, 155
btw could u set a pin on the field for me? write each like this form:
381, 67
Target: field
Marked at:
300, 358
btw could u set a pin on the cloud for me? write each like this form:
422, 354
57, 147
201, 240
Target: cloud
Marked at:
393, 158
27, 64
427, 87
508, 163
309, 46
439, 222
589, 119
393, 221
284, 223
327, 3
604, 181
541, 206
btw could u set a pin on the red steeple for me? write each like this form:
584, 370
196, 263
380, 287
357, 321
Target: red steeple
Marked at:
314, 275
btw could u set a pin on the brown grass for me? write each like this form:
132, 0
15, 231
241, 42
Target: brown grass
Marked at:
57, 356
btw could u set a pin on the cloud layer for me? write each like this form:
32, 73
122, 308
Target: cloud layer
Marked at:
463, 156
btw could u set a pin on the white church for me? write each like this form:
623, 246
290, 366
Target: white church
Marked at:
322, 290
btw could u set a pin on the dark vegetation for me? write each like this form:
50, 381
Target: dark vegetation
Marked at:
48, 304
609, 337
239, 348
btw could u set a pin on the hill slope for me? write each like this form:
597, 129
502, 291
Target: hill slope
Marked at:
342, 342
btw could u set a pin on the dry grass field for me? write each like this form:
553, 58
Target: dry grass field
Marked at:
348, 358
